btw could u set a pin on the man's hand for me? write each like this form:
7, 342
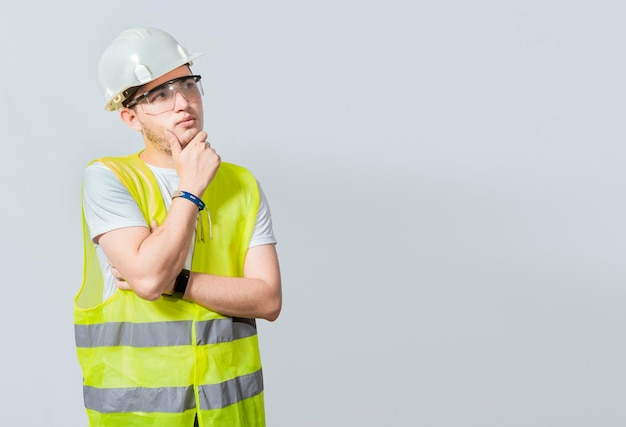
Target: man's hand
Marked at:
120, 282
196, 163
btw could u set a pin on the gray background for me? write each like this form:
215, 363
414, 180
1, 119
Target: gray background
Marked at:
446, 181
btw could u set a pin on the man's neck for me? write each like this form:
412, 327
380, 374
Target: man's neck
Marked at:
158, 159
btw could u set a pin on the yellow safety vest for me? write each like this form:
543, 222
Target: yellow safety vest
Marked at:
159, 363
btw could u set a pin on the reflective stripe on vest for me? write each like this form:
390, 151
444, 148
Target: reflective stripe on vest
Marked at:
172, 399
216, 396
157, 334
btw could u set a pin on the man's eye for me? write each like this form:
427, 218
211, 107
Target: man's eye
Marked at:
159, 95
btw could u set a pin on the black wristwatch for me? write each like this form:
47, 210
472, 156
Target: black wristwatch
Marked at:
181, 284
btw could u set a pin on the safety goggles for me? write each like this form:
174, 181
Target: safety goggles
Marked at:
163, 97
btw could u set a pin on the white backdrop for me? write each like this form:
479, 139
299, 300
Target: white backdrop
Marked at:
446, 181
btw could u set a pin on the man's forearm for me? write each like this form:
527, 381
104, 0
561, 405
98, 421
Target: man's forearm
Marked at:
235, 296
257, 294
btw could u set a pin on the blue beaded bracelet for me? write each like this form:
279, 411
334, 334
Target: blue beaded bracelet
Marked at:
195, 199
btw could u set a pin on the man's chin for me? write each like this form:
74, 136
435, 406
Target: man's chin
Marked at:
186, 135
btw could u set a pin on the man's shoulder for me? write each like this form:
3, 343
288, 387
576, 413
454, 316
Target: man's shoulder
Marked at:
232, 170
234, 167
124, 167
234, 176
125, 159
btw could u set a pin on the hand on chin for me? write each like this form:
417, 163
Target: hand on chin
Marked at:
186, 135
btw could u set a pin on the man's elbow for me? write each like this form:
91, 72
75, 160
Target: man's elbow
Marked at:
273, 308
149, 289
271, 317
147, 294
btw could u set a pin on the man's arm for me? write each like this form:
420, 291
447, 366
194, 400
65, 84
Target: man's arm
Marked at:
150, 261
257, 294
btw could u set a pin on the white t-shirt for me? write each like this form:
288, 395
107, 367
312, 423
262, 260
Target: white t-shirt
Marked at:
109, 206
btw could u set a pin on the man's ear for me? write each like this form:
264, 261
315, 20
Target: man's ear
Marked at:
129, 116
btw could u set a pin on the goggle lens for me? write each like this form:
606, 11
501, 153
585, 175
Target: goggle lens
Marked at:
163, 97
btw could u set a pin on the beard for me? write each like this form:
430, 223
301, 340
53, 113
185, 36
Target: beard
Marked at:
157, 138
158, 141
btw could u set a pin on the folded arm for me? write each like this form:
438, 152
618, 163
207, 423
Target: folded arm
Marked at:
150, 261
258, 294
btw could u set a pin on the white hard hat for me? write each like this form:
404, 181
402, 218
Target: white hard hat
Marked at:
136, 57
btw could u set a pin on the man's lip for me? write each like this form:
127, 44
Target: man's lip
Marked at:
185, 121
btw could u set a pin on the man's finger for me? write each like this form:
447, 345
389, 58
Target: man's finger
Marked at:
173, 142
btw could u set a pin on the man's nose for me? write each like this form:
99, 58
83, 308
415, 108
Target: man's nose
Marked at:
180, 102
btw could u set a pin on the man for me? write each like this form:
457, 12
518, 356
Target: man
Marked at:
179, 257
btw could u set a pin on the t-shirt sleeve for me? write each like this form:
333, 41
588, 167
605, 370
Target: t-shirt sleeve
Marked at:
263, 231
107, 203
